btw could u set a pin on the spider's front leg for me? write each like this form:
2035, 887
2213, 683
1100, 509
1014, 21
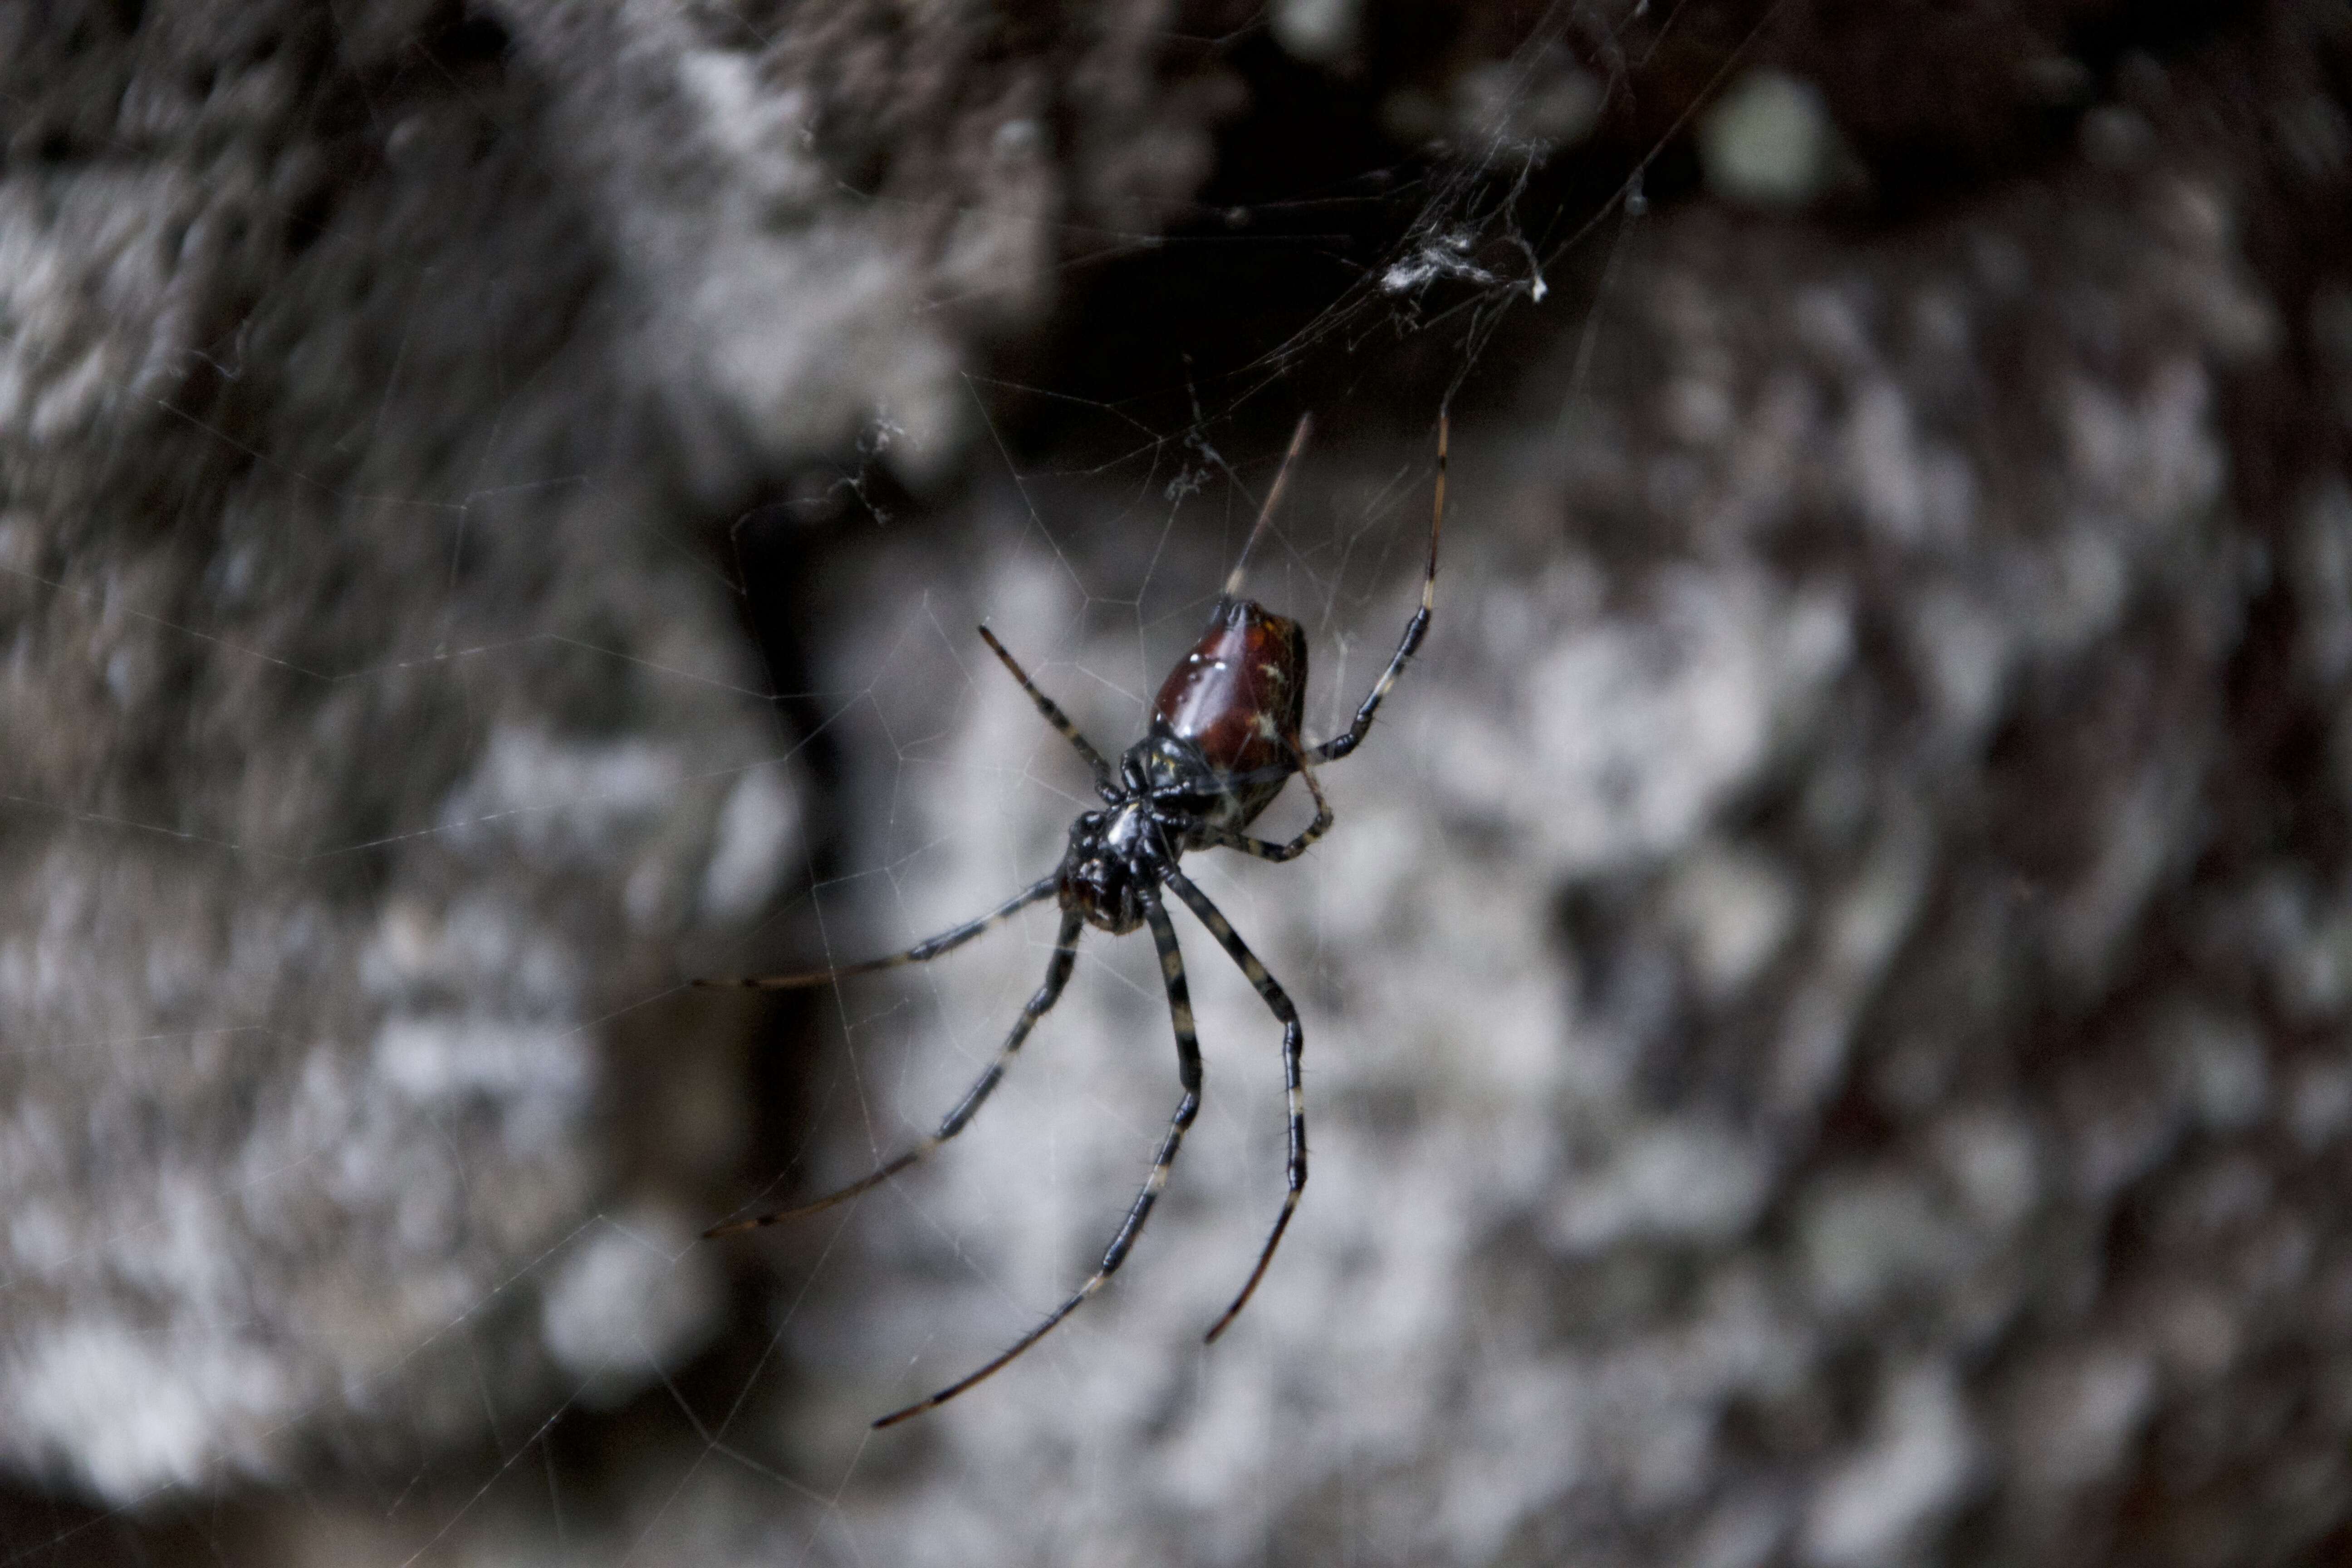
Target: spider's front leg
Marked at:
1188, 1073
1046, 887
1294, 1051
1058, 975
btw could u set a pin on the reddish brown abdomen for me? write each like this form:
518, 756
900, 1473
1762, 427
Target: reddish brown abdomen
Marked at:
1239, 694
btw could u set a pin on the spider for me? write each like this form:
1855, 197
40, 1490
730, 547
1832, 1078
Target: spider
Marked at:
1223, 739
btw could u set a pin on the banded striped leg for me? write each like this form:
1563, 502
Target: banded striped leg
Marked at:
1057, 974
1267, 849
1188, 1073
1053, 713
1339, 745
1294, 1051
946, 941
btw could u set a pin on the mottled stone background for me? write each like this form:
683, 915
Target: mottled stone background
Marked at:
1827, 1002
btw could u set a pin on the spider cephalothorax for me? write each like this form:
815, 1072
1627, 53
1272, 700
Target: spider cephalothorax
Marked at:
1113, 856
1223, 741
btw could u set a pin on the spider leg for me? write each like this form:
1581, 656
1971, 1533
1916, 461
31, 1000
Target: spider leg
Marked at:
1294, 1048
1273, 498
947, 941
1188, 1073
1057, 974
1053, 713
1339, 745
1267, 849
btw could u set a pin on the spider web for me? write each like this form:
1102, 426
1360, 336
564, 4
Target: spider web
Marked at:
590, 779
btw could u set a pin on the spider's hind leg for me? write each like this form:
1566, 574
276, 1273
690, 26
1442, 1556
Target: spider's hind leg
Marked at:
1053, 713
1294, 1050
1057, 974
1348, 740
1289, 849
1188, 1073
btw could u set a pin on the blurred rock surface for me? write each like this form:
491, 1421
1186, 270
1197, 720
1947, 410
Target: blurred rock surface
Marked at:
1826, 1000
